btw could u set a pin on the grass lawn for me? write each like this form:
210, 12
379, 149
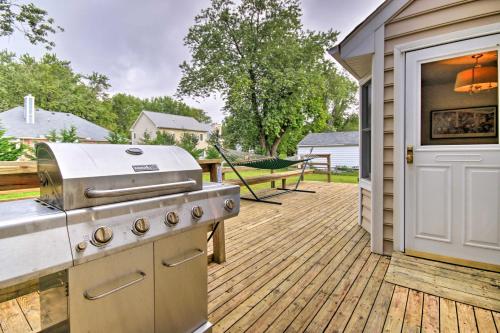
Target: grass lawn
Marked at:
18, 195
348, 177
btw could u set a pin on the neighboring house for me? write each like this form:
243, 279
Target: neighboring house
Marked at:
430, 153
343, 147
151, 122
30, 125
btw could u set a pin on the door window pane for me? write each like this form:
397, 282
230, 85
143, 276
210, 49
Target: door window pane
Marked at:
459, 100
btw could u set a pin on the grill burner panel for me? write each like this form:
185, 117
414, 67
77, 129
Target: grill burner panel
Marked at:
121, 217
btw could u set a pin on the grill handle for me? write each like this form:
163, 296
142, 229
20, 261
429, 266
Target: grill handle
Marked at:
174, 262
93, 193
97, 293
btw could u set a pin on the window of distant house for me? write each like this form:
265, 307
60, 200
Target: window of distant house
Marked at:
201, 137
366, 131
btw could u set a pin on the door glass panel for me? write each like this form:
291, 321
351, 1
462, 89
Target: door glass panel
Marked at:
459, 100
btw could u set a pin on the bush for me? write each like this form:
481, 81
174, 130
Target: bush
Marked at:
211, 153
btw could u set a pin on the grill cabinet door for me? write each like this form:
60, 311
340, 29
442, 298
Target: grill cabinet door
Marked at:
181, 282
121, 291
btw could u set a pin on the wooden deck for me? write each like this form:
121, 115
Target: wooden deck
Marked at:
306, 266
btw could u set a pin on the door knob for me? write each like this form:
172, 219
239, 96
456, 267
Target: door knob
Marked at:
409, 154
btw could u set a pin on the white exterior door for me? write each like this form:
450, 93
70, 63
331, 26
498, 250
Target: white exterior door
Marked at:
452, 187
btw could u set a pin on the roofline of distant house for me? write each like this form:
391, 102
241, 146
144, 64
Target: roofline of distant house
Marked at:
45, 138
137, 119
329, 145
183, 129
173, 128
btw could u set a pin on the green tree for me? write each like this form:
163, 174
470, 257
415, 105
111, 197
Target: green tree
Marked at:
117, 138
269, 70
211, 153
161, 138
65, 135
9, 150
189, 141
213, 139
166, 104
32, 21
340, 95
52, 136
126, 108
55, 86
99, 84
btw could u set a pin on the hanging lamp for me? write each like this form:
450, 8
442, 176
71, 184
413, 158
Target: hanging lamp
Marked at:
477, 78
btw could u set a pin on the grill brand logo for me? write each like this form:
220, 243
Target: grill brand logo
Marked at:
145, 167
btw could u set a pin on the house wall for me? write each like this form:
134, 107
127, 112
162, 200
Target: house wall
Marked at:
366, 207
141, 126
202, 144
417, 20
340, 156
144, 124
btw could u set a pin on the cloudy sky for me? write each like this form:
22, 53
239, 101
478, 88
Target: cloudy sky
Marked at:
139, 44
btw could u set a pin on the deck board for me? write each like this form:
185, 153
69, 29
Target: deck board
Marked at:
466, 285
307, 266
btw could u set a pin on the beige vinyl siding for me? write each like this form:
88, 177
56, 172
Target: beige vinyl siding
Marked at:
202, 144
141, 126
417, 20
366, 212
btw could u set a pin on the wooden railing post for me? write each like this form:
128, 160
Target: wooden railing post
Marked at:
219, 238
329, 166
327, 163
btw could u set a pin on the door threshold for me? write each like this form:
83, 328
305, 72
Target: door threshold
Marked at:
453, 260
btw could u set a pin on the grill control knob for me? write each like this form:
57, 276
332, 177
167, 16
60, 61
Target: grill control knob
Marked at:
80, 247
102, 236
172, 218
141, 226
229, 204
197, 212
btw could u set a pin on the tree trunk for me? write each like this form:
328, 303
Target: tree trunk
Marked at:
275, 145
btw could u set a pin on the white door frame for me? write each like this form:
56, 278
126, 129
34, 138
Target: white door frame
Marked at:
399, 115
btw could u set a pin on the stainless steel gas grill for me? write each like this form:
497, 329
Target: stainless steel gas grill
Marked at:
117, 240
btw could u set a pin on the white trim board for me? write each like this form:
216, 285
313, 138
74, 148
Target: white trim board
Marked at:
399, 113
363, 183
377, 154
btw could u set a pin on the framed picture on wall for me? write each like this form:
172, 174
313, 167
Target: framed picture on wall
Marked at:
478, 122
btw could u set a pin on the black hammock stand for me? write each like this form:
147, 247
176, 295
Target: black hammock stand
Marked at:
255, 161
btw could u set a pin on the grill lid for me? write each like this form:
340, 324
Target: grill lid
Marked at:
85, 175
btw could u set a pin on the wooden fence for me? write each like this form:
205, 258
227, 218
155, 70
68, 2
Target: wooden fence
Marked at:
17, 176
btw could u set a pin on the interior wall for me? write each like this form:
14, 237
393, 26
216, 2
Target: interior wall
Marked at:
443, 97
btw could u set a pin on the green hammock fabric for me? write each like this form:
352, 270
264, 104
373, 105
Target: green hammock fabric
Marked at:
274, 163
252, 160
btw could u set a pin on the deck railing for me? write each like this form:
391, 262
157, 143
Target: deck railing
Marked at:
16, 176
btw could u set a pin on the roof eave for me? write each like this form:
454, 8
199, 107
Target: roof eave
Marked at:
139, 117
335, 53
360, 42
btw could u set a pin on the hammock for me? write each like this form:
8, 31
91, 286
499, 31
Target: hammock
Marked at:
252, 160
236, 158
